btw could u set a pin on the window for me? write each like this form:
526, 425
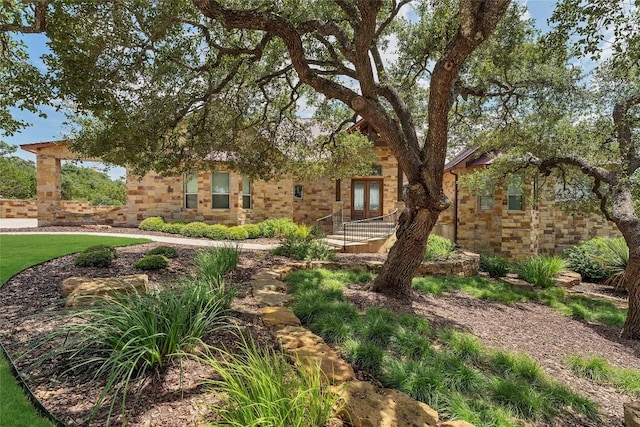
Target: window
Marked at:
515, 194
485, 200
191, 191
220, 190
297, 192
376, 170
246, 192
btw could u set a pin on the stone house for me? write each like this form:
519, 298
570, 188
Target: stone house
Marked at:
222, 197
505, 220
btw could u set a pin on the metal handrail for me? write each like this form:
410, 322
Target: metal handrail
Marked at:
366, 229
328, 224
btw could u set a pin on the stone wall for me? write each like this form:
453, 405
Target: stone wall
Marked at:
18, 208
75, 206
537, 229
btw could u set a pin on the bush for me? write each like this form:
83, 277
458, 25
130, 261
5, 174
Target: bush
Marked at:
173, 227
195, 229
494, 265
168, 251
253, 230
131, 335
107, 248
152, 262
304, 248
218, 232
438, 248
94, 258
237, 233
540, 270
279, 227
154, 223
584, 259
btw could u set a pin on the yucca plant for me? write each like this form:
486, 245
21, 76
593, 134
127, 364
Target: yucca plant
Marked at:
615, 257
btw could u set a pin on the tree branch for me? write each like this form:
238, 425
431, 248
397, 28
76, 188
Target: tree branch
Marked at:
39, 24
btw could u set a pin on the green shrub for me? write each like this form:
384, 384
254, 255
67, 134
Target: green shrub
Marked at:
173, 227
195, 229
261, 388
278, 227
122, 340
95, 258
253, 230
218, 232
107, 248
438, 248
152, 262
494, 265
154, 223
583, 259
237, 233
540, 270
304, 248
168, 251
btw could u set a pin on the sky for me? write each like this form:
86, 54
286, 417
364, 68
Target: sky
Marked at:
52, 128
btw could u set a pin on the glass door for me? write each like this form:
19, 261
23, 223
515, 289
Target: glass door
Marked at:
366, 198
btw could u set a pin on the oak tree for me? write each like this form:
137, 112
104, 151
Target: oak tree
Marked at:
163, 85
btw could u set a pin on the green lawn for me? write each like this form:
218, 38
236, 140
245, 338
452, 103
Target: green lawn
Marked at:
18, 252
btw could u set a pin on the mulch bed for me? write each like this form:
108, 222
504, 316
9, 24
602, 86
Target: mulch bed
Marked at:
30, 304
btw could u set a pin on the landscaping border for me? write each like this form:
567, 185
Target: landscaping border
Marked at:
23, 385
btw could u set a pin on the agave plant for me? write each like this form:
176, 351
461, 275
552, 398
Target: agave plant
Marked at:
615, 258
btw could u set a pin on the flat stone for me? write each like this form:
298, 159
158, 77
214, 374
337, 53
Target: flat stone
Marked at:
568, 279
368, 406
278, 317
273, 298
271, 285
266, 275
456, 423
310, 351
518, 283
81, 291
632, 414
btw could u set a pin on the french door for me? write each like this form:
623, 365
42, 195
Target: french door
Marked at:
366, 198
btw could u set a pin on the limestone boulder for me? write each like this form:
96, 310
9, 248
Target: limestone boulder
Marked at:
568, 279
366, 405
309, 350
81, 291
278, 317
632, 414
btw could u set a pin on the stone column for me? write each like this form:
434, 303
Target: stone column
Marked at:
49, 184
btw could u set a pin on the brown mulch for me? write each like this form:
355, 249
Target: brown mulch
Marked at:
30, 304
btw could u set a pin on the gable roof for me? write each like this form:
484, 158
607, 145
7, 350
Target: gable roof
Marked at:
470, 158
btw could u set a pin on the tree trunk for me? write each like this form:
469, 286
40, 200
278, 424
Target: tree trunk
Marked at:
407, 253
631, 328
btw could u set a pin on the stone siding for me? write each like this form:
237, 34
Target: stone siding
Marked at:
18, 208
156, 195
541, 229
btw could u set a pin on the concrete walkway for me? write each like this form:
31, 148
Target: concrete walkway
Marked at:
18, 223
166, 239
